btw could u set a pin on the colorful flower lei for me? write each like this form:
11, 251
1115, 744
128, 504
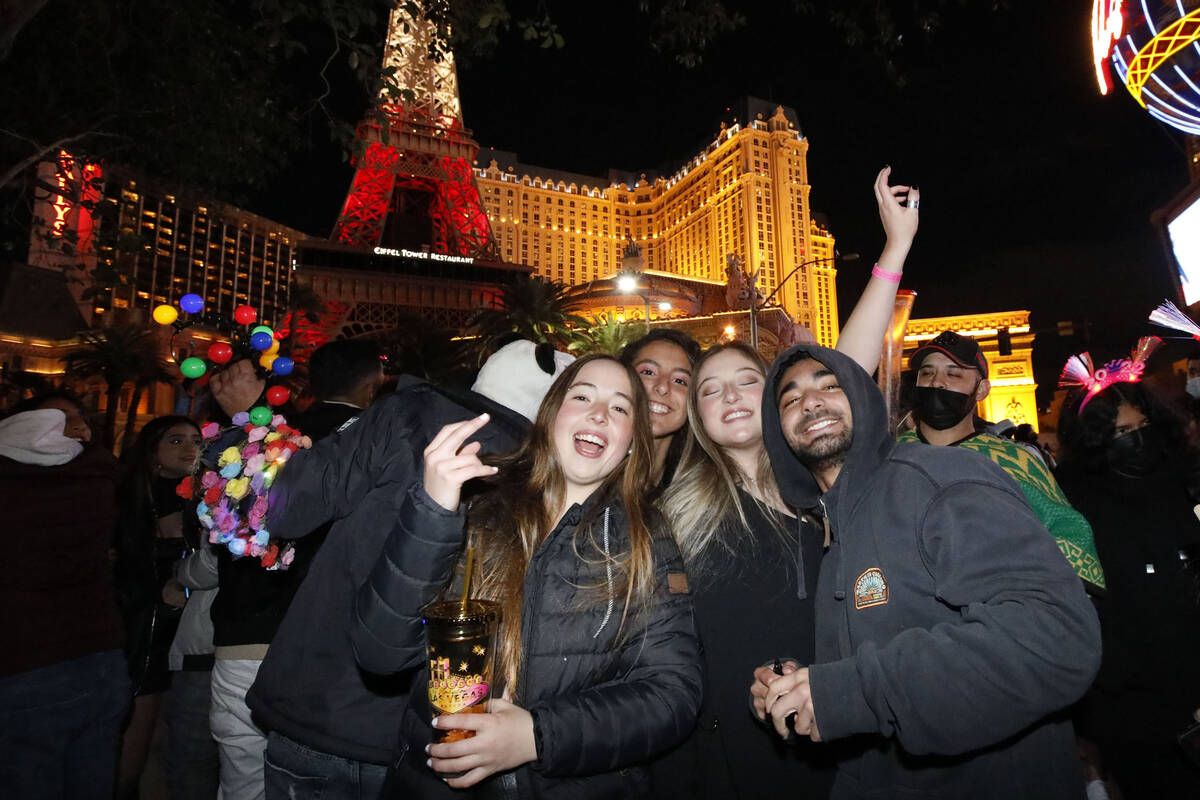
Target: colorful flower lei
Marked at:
233, 502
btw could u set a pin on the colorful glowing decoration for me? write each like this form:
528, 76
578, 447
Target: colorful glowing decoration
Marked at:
1079, 371
193, 367
278, 395
260, 415
283, 366
262, 329
273, 349
220, 353
165, 314
267, 361
1154, 49
192, 303
261, 340
244, 315
1169, 316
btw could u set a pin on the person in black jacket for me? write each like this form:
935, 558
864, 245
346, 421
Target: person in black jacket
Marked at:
1128, 469
251, 601
951, 632
597, 645
333, 728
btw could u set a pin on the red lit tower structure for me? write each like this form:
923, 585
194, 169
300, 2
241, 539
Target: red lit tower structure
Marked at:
414, 185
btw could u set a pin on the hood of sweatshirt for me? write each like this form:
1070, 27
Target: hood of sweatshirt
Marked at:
36, 437
870, 443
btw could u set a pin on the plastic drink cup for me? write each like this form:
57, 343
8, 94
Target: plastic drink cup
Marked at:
460, 642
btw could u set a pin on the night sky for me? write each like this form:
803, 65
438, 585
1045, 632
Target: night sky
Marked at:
1036, 191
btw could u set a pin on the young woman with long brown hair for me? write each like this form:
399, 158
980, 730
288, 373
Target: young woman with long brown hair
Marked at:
598, 650
752, 560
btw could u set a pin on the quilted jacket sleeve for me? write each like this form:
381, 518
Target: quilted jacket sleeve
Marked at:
415, 563
649, 708
328, 481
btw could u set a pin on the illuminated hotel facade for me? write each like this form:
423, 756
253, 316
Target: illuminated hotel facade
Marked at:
167, 243
746, 195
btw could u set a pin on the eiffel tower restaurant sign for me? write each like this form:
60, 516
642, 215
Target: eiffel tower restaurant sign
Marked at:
412, 241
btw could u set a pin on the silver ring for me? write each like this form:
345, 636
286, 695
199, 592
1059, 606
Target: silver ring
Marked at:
914, 203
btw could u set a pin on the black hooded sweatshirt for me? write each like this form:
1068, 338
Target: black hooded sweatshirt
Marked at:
951, 632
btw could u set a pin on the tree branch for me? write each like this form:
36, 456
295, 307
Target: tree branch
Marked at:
40, 152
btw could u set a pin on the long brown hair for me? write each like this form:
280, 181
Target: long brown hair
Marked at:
509, 524
704, 495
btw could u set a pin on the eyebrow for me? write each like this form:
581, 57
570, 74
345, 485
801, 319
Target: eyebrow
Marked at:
642, 361
818, 375
628, 399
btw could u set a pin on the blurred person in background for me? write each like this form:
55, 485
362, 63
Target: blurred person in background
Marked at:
149, 542
64, 687
1127, 467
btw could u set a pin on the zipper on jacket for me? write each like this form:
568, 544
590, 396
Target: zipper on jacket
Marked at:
825, 522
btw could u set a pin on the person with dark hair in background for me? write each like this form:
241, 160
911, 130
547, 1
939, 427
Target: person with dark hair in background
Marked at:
251, 601
1127, 467
663, 360
64, 686
149, 542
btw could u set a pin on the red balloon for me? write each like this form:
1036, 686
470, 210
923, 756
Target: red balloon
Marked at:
219, 353
278, 395
244, 315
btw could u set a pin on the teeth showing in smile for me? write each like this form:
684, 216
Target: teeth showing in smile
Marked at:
738, 413
591, 438
659, 408
820, 425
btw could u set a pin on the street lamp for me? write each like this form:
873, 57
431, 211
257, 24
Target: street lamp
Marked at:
756, 307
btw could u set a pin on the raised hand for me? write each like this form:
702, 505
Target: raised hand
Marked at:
503, 740
449, 463
236, 387
898, 210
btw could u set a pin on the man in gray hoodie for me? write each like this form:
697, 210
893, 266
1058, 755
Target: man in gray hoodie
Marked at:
951, 633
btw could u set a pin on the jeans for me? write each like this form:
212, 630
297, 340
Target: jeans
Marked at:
296, 772
239, 741
192, 762
60, 727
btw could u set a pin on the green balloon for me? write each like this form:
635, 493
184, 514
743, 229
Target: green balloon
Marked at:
260, 415
193, 367
266, 328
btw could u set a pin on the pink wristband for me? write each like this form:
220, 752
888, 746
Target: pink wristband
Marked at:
883, 274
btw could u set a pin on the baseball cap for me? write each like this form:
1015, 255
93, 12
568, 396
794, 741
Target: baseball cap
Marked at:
962, 350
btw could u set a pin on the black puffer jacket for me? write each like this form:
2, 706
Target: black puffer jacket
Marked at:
309, 688
600, 709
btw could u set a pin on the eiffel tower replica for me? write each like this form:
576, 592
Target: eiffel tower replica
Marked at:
412, 241
415, 170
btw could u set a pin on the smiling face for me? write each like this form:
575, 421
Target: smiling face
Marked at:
814, 413
178, 451
666, 373
729, 388
593, 428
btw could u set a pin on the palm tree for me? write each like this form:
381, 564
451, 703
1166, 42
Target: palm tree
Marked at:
534, 308
119, 354
605, 334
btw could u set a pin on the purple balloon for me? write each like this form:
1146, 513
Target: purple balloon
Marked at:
191, 303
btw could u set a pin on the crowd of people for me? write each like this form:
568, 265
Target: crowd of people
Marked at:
716, 577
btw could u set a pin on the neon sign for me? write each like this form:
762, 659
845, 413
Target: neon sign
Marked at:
391, 251
1108, 23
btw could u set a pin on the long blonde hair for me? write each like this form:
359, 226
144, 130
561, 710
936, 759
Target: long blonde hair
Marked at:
704, 496
509, 524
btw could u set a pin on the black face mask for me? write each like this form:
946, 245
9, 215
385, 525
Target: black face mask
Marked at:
941, 409
1136, 453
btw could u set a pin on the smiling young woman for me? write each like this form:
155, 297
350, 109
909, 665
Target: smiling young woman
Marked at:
597, 647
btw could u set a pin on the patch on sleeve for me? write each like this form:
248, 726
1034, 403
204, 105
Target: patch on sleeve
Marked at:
870, 589
677, 583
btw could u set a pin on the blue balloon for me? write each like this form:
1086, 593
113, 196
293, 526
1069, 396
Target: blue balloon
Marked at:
283, 366
261, 341
191, 303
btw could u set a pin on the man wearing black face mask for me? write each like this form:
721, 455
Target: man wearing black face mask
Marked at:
951, 380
